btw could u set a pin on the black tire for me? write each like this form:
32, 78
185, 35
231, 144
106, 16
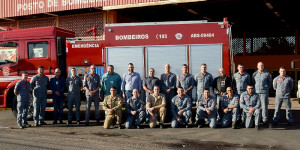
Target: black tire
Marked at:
30, 110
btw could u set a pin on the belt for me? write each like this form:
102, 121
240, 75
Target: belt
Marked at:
129, 91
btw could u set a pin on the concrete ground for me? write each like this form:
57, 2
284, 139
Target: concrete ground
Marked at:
63, 136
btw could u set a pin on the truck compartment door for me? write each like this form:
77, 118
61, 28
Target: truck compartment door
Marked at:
158, 56
121, 56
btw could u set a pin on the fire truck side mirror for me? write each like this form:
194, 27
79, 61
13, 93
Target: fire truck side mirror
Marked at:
60, 46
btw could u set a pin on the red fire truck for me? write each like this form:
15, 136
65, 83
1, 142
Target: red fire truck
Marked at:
146, 45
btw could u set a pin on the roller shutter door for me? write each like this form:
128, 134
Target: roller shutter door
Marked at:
121, 56
211, 55
158, 56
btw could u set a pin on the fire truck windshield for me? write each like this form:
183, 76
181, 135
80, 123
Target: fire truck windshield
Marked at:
8, 52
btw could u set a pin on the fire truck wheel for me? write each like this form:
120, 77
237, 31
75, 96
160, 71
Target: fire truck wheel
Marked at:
30, 110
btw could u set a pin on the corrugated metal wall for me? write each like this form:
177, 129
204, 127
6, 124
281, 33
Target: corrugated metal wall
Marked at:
12, 8
78, 23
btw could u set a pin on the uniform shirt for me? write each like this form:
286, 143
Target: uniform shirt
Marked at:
131, 82
262, 82
23, 88
108, 81
57, 85
134, 105
39, 85
155, 101
112, 103
186, 81
228, 102
180, 103
247, 101
240, 82
74, 84
203, 81
209, 104
150, 83
168, 82
283, 86
92, 83
220, 84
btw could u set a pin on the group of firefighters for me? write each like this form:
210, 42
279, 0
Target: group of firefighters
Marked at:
236, 99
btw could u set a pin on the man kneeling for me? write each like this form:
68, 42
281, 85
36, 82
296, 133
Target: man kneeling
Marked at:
134, 110
206, 109
112, 105
250, 103
181, 109
156, 107
230, 105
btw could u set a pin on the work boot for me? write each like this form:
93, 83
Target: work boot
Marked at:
26, 124
54, 122
200, 123
98, 122
275, 123
69, 122
36, 124
21, 127
233, 125
265, 123
61, 122
291, 124
78, 123
87, 123
43, 123
257, 127
161, 126
138, 127
119, 126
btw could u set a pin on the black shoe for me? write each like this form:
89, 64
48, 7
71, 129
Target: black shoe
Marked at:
36, 124
161, 126
26, 124
275, 123
61, 122
87, 124
21, 127
43, 123
187, 126
78, 123
54, 122
138, 127
119, 126
291, 124
98, 122
265, 123
69, 122
257, 127
147, 121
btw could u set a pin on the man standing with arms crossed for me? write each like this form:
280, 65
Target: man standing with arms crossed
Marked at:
131, 80
91, 85
283, 84
262, 82
22, 91
74, 85
39, 84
